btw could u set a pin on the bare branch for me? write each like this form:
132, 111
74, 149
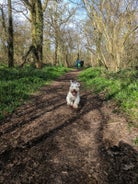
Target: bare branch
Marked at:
45, 5
129, 33
27, 3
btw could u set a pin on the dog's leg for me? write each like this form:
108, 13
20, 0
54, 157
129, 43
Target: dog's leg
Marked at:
76, 102
69, 102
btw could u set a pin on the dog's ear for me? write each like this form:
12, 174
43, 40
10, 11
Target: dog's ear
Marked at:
78, 84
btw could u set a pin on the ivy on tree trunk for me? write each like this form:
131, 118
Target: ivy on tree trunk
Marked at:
36, 13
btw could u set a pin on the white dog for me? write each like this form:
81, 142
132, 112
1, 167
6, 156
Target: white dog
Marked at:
73, 96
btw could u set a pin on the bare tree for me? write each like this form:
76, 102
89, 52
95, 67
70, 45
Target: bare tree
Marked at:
10, 36
36, 15
111, 24
57, 17
3, 32
7, 32
9, 28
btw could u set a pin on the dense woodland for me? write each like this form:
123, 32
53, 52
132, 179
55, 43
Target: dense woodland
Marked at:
102, 33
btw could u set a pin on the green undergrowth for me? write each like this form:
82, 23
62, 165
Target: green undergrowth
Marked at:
16, 85
122, 87
136, 141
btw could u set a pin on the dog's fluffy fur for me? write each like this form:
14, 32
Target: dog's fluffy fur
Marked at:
73, 96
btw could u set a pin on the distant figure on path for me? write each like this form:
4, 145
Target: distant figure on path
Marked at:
79, 64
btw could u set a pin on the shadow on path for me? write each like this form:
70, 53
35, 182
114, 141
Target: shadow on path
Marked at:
47, 142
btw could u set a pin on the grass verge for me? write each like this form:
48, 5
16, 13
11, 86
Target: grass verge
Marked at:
122, 87
16, 85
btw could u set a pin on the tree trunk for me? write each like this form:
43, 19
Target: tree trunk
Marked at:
56, 52
4, 31
10, 37
66, 60
36, 13
37, 32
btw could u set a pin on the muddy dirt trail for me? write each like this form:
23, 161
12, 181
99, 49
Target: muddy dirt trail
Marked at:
46, 142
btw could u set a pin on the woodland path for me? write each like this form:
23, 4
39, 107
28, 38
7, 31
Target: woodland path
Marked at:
46, 142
